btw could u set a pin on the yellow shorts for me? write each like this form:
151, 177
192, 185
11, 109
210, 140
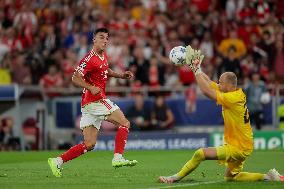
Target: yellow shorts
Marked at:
232, 157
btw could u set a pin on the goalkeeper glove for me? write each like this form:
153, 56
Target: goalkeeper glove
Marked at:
197, 60
194, 59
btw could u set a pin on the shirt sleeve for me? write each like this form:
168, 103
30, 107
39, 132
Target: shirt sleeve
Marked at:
214, 86
226, 99
84, 67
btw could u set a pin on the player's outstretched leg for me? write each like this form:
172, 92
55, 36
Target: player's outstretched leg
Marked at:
271, 175
192, 164
120, 141
74, 152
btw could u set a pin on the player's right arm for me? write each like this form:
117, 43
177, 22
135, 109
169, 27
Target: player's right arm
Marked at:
194, 59
205, 86
79, 81
206, 78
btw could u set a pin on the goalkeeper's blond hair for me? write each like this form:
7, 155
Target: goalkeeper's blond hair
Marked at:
231, 78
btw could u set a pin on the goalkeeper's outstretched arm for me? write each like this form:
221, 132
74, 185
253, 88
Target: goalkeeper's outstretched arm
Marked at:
194, 59
204, 82
206, 78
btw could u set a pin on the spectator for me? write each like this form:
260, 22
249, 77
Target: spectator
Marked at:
263, 11
5, 75
67, 60
207, 46
7, 140
83, 47
246, 30
31, 134
162, 117
232, 7
279, 59
254, 89
26, 23
4, 48
221, 27
171, 77
21, 72
140, 66
156, 73
202, 5
247, 11
139, 114
233, 42
51, 80
248, 65
230, 63
51, 41
267, 44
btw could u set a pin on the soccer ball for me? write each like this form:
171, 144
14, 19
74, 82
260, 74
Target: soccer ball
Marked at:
177, 55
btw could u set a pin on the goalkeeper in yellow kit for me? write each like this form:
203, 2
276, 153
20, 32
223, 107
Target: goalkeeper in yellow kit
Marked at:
238, 136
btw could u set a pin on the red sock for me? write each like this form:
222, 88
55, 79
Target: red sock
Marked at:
74, 152
120, 139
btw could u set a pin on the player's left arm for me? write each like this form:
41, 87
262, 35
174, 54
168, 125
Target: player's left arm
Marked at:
125, 75
205, 87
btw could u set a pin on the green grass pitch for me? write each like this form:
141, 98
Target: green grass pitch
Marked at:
94, 170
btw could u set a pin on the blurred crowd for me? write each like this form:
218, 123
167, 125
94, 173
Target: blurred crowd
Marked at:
41, 41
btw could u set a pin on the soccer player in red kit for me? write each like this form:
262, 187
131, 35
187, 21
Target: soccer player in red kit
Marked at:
92, 75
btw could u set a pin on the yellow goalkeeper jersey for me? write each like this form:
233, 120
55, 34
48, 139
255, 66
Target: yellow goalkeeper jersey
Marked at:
237, 129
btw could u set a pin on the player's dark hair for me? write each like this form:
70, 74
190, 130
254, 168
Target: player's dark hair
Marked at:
100, 30
232, 78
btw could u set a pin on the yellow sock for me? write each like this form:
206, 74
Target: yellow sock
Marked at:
196, 159
245, 176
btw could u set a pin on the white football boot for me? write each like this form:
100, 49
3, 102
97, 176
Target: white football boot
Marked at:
120, 161
55, 167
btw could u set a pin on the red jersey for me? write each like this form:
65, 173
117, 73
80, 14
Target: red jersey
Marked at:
94, 70
49, 81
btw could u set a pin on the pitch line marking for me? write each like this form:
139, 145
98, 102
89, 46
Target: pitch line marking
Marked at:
188, 184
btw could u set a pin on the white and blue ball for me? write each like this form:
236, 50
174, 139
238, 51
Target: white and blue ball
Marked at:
177, 55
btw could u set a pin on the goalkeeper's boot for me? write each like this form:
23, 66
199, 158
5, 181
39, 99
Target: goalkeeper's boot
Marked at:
168, 179
274, 175
55, 167
121, 161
